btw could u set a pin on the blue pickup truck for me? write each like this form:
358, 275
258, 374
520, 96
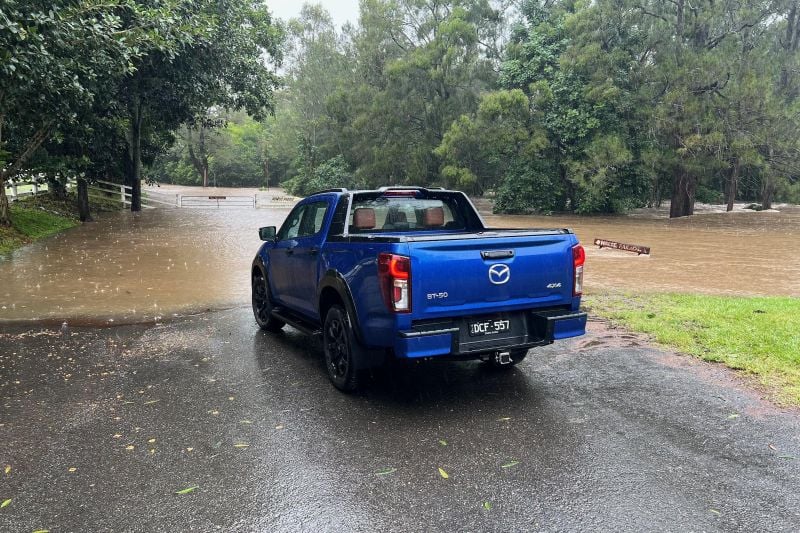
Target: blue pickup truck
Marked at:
410, 273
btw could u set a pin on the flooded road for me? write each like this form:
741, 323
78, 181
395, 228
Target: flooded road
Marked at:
741, 253
136, 267
143, 267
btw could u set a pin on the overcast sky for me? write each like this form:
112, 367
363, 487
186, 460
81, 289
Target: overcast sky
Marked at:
340, 10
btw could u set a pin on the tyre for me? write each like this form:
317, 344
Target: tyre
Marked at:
262, 304
516, 356
342, 349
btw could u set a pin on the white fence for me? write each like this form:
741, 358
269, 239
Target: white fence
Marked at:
153, 198
18, 189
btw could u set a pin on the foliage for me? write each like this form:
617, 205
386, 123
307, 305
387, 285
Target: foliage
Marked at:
330, 174
55, 55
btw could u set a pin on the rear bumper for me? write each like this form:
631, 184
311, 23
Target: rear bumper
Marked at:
450, 338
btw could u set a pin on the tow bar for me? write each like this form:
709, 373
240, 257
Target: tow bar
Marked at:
503, 358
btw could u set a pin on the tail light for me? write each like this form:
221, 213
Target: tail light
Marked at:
578, 259
394, 274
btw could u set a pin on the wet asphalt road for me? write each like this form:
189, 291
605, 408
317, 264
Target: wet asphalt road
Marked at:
598, 434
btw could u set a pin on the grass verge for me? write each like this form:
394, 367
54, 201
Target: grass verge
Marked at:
757, 335
34, 218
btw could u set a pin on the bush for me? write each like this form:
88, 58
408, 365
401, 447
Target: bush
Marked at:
330, 174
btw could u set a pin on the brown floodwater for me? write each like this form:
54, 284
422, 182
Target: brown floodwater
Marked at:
136, 267
166, 262
737, 253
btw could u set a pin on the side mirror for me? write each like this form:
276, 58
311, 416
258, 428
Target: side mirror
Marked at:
268, 233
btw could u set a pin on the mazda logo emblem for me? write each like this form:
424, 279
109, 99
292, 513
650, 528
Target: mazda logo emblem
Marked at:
499, 274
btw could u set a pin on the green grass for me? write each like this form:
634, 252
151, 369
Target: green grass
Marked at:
758, 335
37, 217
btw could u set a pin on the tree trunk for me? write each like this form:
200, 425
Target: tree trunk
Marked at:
733, 184
56, 186
767, 192
83, 201
684, 186
768, 185
134, 165
5, 214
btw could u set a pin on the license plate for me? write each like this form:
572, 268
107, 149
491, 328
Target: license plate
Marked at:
492, 326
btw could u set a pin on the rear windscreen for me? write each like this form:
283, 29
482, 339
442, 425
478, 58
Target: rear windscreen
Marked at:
393, 214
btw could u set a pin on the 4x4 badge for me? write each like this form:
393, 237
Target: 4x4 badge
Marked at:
499, 274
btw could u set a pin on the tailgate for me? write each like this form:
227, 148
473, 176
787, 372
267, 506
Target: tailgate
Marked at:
496, 272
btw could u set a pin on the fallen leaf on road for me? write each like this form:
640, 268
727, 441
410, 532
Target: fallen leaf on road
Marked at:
151, 441
150, 402
772, 447
245, 422
8, 469
129, 447
187, 490
487, 506
734, 415
504, 419
443, 442
241, 445
71, 469
42, 531
5, 503
385, 471
787, 457
189, 449
443, 473
279, 427
510, 464
117, 435
714, 511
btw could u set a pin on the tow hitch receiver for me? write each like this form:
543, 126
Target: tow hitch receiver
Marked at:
503, 358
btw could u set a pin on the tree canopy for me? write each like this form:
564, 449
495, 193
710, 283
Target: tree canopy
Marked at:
548, 105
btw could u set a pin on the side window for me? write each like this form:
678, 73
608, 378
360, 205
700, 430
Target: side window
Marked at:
310, 220
291, 227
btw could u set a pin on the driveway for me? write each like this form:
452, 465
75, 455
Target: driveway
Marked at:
207, 423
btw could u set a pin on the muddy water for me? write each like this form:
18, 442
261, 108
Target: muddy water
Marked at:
159, 263
742, 253
136, 267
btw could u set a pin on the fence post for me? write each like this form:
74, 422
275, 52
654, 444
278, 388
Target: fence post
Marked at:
180, 200
14, 190
35, 188
122, 194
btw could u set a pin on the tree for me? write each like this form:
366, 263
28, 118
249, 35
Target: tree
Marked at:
209, 54
55, 53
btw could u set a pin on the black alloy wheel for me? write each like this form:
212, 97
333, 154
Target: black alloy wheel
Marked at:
341, 349
262, 305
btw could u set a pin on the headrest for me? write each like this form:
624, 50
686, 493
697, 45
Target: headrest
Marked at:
395, 216
364, 218
434, 216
